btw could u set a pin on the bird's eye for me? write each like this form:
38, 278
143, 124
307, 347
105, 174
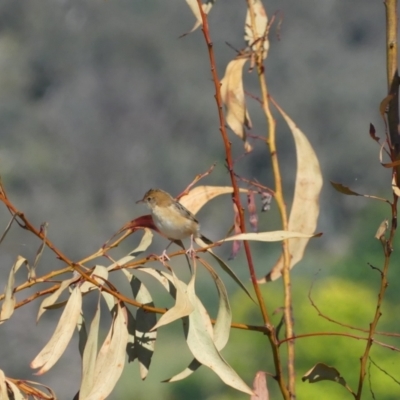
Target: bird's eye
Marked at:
149, 199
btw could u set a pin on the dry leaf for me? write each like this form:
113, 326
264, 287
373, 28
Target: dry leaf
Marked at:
201, 195
225, 267
29, 388
182, 306
372, 133
201, 344
232, 93
89, 355
3, 386
7, 308
395, 188
7, 228
222, 326
273, 236
111, 358
145, 340
144, 244
17, 393
50, 300
344, 189
194, 6
260, 387
305, 207
61, 336
261, 22
323, 372
99, 274
382, 229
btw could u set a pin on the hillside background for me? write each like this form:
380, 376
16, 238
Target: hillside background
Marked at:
101, 100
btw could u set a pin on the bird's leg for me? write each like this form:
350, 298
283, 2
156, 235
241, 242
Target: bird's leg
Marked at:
191, 252
164, 256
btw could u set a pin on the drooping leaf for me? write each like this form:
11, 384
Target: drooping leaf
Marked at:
7, 228
225, 267
111, 358
192, 367
82, 332
89, 355
182, 306
305, 207
7, 308
132, 344
221, 328
201, 344
144, 337
232, 93
51, 299
62, 335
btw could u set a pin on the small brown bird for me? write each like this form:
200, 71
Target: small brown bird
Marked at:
172, 218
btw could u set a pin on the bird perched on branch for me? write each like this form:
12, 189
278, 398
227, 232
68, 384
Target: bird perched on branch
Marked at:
172, 219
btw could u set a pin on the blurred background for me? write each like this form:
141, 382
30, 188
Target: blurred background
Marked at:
101, 100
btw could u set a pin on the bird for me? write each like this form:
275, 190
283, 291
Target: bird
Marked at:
172, 219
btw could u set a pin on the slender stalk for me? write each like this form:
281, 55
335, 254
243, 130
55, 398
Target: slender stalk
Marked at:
392, 73
236, 198
279, 198
393, 123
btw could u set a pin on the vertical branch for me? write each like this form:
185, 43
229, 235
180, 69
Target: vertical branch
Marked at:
387, 248
393, 79
271, 141
229, 161
236, 198
393, 123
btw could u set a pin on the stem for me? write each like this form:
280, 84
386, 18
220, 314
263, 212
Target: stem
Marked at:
393, 122
392, 74
271, 142
236, 198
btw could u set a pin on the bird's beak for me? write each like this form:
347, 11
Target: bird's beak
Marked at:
140, 201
